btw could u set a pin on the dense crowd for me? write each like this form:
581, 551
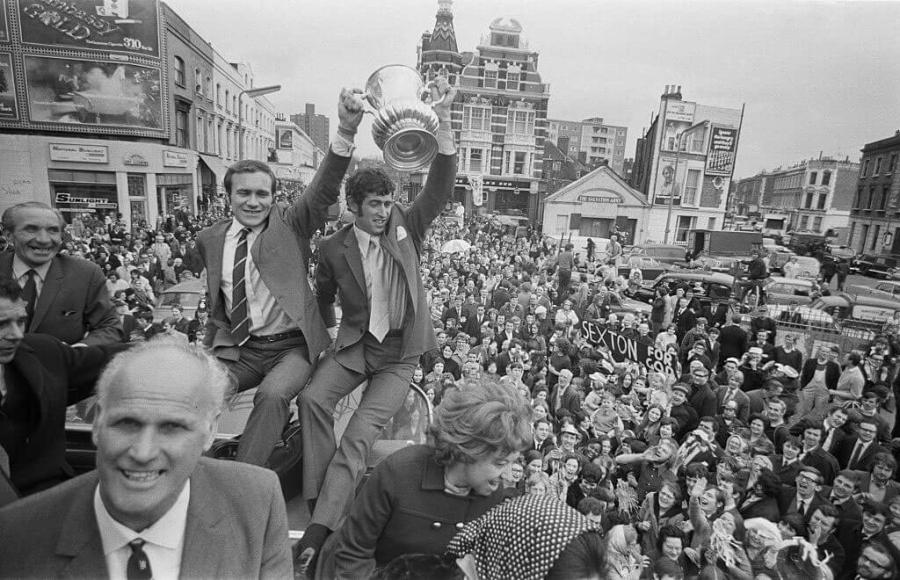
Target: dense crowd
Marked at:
749, 461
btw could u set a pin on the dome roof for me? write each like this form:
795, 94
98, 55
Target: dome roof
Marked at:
504, 24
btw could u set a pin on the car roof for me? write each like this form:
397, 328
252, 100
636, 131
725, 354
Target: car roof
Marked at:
195, 285
861, 299
791, 281
717, 277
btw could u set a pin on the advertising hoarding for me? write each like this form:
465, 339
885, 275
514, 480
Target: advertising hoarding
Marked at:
284, 138
114, 94
4, 24
679, 118
8, 109
79, 153
666, 181
722, 147
124, 26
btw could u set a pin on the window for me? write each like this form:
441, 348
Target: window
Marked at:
885, 196
490, 79
826, 177
865, 169
804, 222
218, 94
179, 71
475, 161
199, 139
520, 122
685, 224
817, 223
712, 223
892, 164
877, 166
198, 81
477, 118
690, 187
181, 127
875, 238
872, 196
519, 164
512, 81
562, 224
809, 200
812, 177
823, 198
227, 101
136, 185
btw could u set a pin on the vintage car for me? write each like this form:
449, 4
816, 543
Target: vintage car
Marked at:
710, 286
788, 290
187, 294
886, 289
650, 267
876, 265
803, 316
667, 254
858, 311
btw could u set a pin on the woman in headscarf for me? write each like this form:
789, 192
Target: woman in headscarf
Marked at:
530, 538
416, 498
623, 554
660, 508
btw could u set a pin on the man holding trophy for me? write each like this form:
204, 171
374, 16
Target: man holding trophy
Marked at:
386, 325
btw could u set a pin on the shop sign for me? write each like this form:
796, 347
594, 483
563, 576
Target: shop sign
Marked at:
79, 153
599, 199
85, 202
135, 160
175, 159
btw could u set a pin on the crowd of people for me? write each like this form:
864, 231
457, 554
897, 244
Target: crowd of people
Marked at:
742, 456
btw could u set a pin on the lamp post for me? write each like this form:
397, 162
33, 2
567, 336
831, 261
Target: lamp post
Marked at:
678, 145
253, 93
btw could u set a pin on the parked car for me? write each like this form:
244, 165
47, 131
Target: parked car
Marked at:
858, 311
787, 290
841, 252
803, 316
650, 267
711, 286
888, 289
188, 294
876, 265
670, 254
778, 258
809, 267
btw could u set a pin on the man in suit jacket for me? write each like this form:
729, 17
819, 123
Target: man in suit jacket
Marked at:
858, 452
733, 340
385, 327
41, 377
284, 333
66, 297
152, 495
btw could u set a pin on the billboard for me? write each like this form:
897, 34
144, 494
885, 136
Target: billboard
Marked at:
667, 182
284, 138
88, 92
4, 25
679, 118
124, 26
8, 109
722, 148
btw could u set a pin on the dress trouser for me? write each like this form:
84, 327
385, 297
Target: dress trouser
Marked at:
331, 472
279, 369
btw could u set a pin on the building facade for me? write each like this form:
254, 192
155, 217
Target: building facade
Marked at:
875, 211
591, 141
316, 126
499, 118
684, 164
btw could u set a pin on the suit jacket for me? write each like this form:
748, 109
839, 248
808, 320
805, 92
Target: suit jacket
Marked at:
733, 339
236, 528
767, 508
340, 269
74, 301
832, 373
281, 253
55, 375
740, 397
864, 462
787, 474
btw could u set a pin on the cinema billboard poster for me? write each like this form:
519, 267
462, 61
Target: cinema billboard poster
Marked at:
4, 24
88, 92
8, 109
722, 148
123, 26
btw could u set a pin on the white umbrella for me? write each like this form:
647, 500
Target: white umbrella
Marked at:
454, 246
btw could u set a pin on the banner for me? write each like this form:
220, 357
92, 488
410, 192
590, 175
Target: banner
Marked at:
722, 147
70, 91
627, 349
8, 108
124, 26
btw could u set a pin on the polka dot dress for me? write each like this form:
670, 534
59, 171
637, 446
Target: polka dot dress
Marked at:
519, 539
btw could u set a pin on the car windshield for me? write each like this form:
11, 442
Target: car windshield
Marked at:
665, 252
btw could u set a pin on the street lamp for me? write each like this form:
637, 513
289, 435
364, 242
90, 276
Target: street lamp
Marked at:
253, 93
678, 145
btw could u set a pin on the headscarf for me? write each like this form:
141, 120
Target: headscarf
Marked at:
520, 539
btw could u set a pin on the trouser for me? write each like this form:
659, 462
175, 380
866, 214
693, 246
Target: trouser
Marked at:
565, 278
745, 285
332, 471
279, 370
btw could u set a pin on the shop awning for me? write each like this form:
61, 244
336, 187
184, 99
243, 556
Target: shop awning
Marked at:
216, 165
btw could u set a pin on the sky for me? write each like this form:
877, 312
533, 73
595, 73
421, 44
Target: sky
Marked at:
814, 76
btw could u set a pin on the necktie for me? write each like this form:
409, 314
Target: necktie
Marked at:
138, 567
379, 317
29, 295
240, 315
802, 506
857, 451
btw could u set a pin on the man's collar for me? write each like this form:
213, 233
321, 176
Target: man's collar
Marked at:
235, 228
167, 531
20, 267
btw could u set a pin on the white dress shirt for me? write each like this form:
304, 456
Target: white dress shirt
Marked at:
20, 269
164, 540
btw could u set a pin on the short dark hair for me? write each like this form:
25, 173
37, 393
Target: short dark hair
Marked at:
248, 166
368, 181
10, 289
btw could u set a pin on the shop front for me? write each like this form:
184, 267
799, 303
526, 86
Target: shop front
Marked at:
85, 195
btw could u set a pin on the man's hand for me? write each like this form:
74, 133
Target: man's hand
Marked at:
440, 87
350, 109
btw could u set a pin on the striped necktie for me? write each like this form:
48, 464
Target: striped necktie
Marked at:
240, 314
29, 295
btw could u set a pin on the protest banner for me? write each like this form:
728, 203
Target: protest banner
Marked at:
627, 349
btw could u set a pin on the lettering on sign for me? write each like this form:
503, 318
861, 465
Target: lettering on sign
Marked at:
627, 349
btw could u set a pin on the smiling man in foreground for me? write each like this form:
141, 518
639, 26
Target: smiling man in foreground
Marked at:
153, 508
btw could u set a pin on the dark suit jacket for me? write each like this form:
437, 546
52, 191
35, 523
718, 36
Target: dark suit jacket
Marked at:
733, 339
236, 528
281, 254
764, 508
787, 475
340, 269
832, 373
73, 301
864, 463
57, 375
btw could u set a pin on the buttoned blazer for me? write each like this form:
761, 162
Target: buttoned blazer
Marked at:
281, 253
236, 528
340, 270
864, 463
74, 304
55, 375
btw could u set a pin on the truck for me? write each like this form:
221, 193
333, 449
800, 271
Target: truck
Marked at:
720, 250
